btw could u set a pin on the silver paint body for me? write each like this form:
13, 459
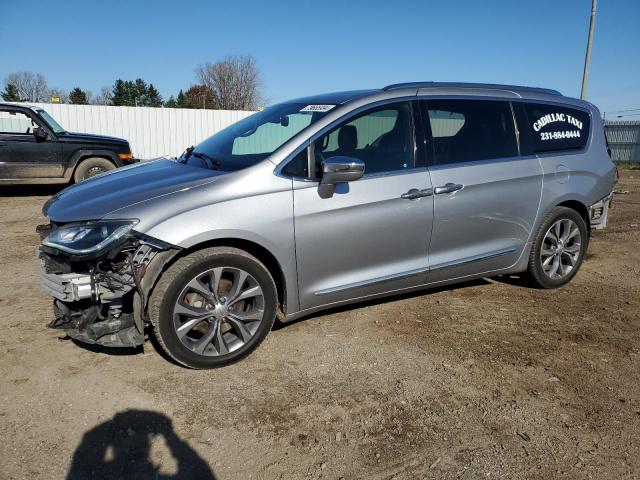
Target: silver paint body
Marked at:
365, 241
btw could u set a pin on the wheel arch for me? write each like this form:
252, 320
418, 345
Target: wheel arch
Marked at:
579, 207
81, 155
260, 252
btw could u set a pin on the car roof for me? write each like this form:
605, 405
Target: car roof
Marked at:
434, 88
19, 105
333, 98
476, 86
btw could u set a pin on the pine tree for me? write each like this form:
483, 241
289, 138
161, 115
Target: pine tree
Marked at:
78, 97
141, 95
171, 103
119, 95
10, 93
135, 93
182, 100
153, 96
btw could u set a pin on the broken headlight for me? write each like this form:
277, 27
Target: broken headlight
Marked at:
89, 237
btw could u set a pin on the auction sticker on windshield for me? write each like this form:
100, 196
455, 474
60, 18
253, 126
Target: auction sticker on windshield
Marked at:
317, 108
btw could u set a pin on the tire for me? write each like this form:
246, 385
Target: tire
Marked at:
204, 327
90, 167
554, 263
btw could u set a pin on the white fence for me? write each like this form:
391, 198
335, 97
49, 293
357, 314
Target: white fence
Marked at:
152, 132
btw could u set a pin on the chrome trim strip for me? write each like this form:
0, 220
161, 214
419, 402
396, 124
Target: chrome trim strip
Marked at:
374, 281
474, 258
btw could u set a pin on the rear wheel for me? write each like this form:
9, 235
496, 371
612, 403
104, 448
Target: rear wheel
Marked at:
90, 167
213, 307
559, 248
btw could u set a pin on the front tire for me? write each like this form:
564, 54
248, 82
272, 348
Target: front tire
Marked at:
90, 167
213, 307
559, 248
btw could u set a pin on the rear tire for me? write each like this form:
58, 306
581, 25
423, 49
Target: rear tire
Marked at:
90, 167
213, 307
558, 248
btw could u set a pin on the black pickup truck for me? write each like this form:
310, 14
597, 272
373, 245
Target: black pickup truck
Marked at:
34, 148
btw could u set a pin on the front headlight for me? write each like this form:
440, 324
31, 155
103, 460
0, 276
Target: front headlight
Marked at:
90, 237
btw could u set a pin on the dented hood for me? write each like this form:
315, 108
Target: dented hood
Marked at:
96, 197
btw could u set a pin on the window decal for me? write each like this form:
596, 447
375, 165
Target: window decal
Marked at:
557, 127
558, 134
317, 108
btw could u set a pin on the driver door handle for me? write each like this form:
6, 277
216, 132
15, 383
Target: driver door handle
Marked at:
448, 188
414, 193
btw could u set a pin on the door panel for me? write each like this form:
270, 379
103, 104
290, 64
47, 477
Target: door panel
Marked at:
365, 239
21, 154
486, 196
485, 225
24, 157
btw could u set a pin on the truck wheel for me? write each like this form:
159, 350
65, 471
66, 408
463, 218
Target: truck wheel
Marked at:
91, 167
213, 307
559, 248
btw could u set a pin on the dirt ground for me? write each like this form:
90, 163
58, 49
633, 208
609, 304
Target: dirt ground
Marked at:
489, 379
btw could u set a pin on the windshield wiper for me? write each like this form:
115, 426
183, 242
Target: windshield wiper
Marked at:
211, 162
187, 153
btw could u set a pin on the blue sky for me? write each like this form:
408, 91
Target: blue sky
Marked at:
311, 47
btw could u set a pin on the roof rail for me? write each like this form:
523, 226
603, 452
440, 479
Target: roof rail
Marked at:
490, 86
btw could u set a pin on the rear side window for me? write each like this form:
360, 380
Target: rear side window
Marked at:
470, 130
556, 127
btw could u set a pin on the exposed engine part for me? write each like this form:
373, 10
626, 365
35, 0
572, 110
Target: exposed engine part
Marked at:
95, 303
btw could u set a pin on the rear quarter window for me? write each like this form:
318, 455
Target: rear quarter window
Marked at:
557, 128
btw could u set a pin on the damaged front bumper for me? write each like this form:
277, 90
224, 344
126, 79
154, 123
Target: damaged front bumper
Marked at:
103, 299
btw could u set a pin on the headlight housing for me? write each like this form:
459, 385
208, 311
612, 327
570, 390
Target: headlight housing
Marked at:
89, 237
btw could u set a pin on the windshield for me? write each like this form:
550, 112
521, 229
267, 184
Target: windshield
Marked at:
254, 138
55, 126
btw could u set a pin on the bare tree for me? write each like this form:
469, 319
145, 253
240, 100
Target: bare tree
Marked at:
32, 87
102, 98
57, 93
234, 82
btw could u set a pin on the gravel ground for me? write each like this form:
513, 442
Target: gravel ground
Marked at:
485, 379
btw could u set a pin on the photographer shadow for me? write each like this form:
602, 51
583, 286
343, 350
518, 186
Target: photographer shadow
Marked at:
120, 449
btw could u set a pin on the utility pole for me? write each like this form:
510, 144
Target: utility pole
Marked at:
585, 73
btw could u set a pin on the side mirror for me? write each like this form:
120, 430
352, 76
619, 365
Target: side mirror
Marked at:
40, 134
339, 170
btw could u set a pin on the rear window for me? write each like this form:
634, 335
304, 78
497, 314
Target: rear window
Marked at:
556, 127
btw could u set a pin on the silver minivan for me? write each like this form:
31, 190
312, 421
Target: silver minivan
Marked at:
323, 201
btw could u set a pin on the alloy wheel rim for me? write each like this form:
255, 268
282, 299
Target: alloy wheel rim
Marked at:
218, 311
93, 171
560, 249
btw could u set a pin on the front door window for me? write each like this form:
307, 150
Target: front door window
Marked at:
381, 138
15, 123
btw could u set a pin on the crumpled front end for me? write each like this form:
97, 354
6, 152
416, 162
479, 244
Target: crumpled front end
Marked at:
101, 299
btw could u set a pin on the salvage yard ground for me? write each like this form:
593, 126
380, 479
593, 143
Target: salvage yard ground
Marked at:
486, 379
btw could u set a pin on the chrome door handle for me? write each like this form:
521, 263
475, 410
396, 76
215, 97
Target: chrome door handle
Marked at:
448, 188
414, 193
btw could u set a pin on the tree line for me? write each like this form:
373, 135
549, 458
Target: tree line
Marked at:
232, 83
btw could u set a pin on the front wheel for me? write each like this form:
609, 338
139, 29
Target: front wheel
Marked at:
90, 167
559, 248
213, 307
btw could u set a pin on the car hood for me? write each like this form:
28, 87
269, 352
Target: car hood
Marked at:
89, 138
103, 194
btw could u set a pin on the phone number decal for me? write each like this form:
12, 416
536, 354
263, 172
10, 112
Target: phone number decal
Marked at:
559, 135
